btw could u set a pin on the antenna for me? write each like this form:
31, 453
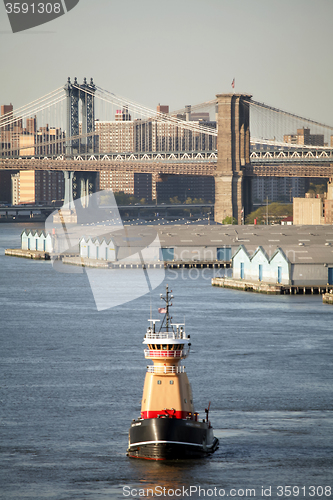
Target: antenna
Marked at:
151, 313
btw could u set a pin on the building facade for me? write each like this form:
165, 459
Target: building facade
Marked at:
259, 267
37, 186
303, 137
314, 210
282, 189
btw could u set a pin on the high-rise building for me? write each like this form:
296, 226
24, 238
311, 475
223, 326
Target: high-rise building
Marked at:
49, 187
49, 141
143, 187
285, 188
5, 186
23, 187
162, 109
122, 115
159, 136
186, 186
37, 186
114, 137
304, 138
277, 189
151, 135
117, 181
30, 186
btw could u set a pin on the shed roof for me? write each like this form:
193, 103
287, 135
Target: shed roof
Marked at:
300, 244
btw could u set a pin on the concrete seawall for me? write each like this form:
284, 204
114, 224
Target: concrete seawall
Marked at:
328, 298
76, 260
271, 288
248, 286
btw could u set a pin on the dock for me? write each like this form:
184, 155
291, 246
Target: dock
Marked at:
103, 264
27, 254
271, 288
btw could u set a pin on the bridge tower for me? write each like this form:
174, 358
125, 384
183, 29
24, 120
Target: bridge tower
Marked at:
80, 184
88, 113
85, 93
72, 128
232, 188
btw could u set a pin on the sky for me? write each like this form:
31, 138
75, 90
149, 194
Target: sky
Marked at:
179, 52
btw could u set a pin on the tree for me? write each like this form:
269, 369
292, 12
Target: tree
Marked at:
317, 188
106, 198
229, 220
276, 212
125, 198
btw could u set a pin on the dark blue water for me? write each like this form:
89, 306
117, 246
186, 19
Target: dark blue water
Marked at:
72, 378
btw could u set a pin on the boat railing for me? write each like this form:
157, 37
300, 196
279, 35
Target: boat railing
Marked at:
165, 369
166, 335
161, 353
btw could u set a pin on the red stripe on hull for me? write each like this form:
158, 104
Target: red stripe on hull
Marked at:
155, 414
145, 458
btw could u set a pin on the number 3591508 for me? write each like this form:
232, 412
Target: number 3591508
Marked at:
38, 8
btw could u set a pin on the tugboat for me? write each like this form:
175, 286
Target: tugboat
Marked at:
168, 427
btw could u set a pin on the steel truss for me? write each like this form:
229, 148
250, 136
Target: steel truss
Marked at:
154, 167
307, 155
282, 169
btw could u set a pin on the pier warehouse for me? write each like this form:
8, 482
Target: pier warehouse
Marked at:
296, 255
299, 266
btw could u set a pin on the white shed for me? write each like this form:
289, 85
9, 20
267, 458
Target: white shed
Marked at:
31, 239
259, 267
97, 248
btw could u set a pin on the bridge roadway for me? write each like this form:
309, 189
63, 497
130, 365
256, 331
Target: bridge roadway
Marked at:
270, 160
34, 212
263, 168
187, 166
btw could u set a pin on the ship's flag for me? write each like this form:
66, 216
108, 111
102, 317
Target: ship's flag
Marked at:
233, 83
162, 310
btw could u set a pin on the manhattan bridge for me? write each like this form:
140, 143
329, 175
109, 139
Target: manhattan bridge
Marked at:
87, 130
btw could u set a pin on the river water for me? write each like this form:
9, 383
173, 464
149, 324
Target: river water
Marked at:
72, 378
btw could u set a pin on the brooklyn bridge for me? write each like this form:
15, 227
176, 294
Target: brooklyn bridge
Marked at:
94, 134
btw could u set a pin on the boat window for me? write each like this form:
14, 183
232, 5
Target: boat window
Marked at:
159, 382
171, 382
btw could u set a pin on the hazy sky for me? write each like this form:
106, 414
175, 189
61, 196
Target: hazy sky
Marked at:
179, 52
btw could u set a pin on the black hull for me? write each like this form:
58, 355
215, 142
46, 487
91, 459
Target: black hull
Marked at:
170, 438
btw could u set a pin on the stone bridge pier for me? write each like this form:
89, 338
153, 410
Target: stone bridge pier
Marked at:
232, 188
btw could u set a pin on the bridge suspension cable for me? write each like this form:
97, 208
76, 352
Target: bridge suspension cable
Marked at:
195, 107
148, 113
26, 139
287, 113
147, 130
271, 125
33, 107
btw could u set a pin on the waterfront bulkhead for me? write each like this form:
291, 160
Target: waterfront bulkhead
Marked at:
288, 255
